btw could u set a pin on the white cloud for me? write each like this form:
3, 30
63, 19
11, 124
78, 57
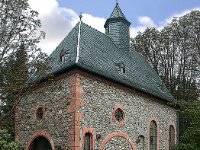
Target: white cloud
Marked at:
168, 20
43, 6
146, 21
95, 22
134, 30
58, 21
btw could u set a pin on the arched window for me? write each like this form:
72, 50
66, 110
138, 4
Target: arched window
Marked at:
40, 143
119, 115
153, 136
88, 141
171, 137
40, 113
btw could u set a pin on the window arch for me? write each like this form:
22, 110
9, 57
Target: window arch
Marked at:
153, 136
40, 113
118, 115
88, 141
171, 137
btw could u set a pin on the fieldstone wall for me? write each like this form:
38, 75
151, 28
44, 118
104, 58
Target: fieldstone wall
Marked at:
118, 143
55, 99
77, 104
100, 98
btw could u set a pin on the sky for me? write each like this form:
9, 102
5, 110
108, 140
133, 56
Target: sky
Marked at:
58, 17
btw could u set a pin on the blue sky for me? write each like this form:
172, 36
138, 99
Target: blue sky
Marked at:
158, 10
58, 17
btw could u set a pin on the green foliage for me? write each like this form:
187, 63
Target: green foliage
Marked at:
5, 141
190, 137
20, 57
174, 53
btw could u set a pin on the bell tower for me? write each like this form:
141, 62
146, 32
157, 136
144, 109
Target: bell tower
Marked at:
117, 28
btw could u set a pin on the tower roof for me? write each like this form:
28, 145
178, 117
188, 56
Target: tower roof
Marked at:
117, 16
117, 12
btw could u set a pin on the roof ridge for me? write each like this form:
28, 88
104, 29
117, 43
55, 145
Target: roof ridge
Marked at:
78, 44
55, 49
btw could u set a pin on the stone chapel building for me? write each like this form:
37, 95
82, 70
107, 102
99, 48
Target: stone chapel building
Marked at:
101, 96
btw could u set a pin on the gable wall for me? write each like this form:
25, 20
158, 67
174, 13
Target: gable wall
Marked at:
79, 102
55, 98
101, 98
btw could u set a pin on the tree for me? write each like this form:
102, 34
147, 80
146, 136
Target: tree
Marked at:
20, 57
6, 142
174, 53
191, 136
15, 75
18, 24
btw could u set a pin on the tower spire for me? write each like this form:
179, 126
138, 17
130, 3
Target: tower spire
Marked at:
117, 28
81, 16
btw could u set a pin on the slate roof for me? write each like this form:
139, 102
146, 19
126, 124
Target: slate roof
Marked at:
117, 15
95, 52
117, 12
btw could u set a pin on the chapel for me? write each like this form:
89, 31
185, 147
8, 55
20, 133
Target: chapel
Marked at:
100, 95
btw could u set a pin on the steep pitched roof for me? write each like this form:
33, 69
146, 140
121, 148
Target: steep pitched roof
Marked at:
117, 15
97, 53
117, 12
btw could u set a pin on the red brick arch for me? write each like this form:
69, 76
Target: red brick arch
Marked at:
117, 134
37, 134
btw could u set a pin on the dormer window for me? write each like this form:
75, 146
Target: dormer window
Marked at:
64, 56
122, 68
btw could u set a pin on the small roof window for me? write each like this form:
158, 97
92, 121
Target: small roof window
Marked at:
64, 56
122, 68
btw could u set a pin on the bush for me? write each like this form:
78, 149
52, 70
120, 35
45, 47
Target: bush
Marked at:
5, 141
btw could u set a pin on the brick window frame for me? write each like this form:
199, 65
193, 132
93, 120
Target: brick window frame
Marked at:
174, 132
91, 132
40, 107
157, 133
37, 134
114, 119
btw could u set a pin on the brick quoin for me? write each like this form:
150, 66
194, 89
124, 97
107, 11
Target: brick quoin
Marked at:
76, 102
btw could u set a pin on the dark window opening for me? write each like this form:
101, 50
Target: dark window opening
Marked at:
119, 115
171, 137
40, 143
64, 56
40, 113
153, 135
88, 141
122, 68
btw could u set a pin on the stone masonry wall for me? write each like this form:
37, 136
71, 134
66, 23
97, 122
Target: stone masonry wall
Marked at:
54, 97
81, 103
101, 97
